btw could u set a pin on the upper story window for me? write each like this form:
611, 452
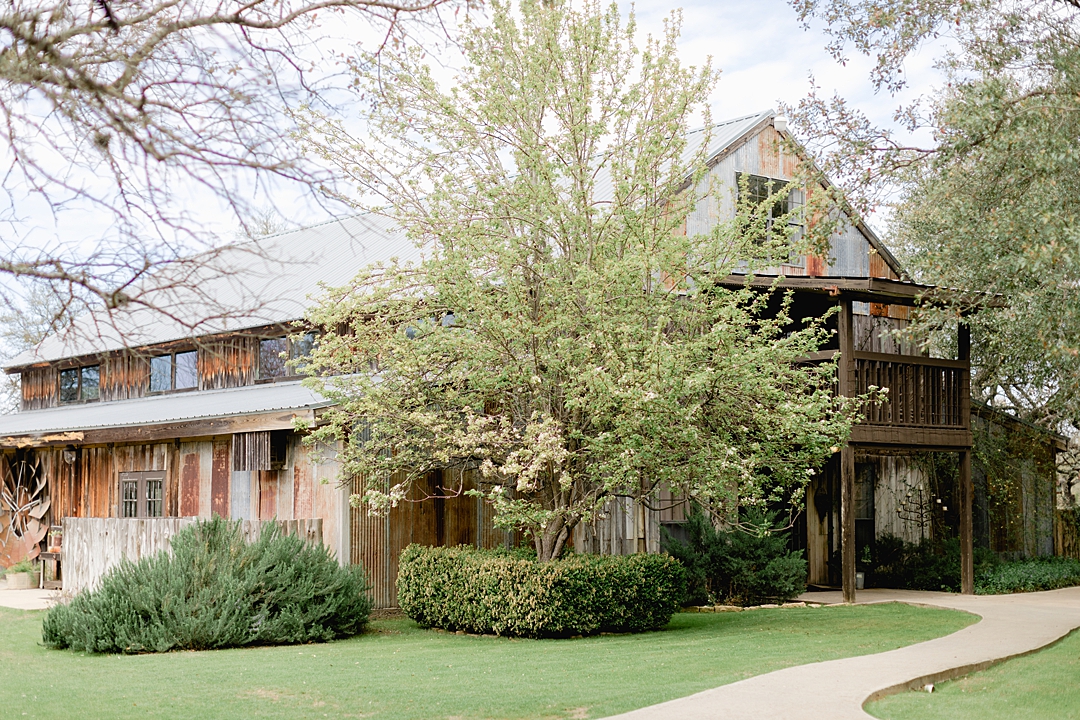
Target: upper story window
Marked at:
759, 189
176, 371
278, 356
81, 384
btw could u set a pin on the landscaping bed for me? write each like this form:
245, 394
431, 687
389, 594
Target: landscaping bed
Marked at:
216, 590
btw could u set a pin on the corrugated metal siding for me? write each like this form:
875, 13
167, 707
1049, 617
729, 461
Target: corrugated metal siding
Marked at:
251, 451
377, 541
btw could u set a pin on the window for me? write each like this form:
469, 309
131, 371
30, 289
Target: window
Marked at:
142, 494
279, 357
178, 371
759, 189
81, 384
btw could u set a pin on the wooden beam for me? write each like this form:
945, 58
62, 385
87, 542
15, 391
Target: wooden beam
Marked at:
876, 290
967, 545
883, 436
847, 521
912, 360
846, 381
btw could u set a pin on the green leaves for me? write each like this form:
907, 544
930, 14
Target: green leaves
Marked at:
593, 350
216, 590
496, 591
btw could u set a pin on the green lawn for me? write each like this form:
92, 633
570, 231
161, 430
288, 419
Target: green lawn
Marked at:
1044, 685
398, 671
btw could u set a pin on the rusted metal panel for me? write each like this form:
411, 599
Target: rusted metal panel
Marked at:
879, 268
268, 486
303, 493
189, 485
40, 388
219, 481
229, 362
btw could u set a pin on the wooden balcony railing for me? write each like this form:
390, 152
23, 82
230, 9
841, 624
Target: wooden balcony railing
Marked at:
923, 392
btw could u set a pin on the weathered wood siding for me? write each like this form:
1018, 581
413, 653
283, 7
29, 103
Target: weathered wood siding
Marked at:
622, 527
124, 376
228, 362
850, 254
40, 388
92, 546
377, 541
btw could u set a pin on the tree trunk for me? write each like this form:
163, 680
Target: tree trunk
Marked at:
551, 540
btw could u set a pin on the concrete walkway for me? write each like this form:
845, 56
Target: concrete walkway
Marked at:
28, 599
1011, 625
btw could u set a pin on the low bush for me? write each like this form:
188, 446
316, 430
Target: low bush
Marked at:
506, 593
737, 567
1045, 573
22, 566
216, 590
927, 565
932, 565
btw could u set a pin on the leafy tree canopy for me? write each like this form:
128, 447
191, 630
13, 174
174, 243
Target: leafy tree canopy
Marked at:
563, 338
989, 204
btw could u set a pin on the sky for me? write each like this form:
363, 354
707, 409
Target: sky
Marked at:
765, 58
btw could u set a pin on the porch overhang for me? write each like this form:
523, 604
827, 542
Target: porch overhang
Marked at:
864, 289
270, 406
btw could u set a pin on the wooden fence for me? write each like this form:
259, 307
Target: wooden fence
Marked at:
92, 546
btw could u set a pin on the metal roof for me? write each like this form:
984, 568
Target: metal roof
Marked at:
273, 279
157, 409
720, 136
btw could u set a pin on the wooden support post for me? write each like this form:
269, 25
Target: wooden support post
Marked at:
967, 540
967, 548
846, 383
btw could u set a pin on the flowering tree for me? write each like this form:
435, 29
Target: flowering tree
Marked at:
562, 336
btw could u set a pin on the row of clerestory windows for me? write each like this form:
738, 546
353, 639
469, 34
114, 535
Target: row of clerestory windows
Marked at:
279, 358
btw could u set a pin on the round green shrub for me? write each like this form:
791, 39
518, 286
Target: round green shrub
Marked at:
499, 592
215, 590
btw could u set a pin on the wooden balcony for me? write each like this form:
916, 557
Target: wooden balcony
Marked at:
928, 404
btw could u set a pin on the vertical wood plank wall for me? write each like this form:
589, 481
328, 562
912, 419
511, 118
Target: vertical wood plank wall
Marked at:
229, 362
377, 541
40, 388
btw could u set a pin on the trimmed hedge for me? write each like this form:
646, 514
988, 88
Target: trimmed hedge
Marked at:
504, 593
216, 590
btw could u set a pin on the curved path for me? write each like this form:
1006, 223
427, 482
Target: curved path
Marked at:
1011, 625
